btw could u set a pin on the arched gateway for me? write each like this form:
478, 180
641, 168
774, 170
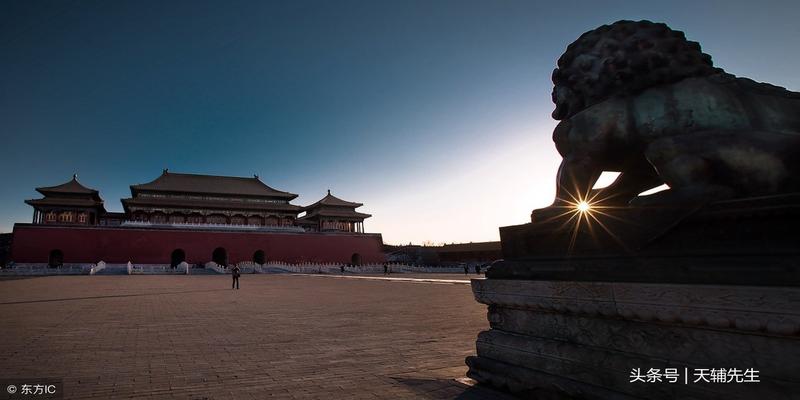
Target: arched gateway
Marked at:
56, 258
178, 256
259, 257
220, 256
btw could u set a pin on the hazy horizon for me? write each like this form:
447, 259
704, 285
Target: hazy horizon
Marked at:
435, 115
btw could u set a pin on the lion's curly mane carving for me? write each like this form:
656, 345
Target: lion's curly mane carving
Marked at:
623, 58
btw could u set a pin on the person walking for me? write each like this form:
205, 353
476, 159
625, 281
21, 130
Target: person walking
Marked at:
235, 273
466, 269
478, 269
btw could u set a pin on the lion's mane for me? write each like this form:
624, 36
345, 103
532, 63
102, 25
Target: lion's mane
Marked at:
624, 58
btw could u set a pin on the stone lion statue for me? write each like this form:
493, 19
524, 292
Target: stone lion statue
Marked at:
639, 99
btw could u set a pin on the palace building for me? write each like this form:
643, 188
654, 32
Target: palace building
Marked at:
205, 199
68, 203
196, 216
333, 214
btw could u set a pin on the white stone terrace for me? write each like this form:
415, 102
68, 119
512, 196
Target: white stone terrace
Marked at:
246, 267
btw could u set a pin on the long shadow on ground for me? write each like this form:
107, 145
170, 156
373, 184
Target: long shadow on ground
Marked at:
451, 389
110, 296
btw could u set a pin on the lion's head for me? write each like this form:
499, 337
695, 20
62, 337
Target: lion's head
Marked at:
623, 58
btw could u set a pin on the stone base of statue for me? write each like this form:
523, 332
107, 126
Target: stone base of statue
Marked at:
648, 303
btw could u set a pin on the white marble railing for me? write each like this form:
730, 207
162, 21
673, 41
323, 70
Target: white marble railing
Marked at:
238, 227
44, 269
156, 269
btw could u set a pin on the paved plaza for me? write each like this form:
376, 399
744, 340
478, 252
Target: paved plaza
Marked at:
280, 336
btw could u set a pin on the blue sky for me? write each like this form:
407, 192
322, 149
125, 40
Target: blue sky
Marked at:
434, 114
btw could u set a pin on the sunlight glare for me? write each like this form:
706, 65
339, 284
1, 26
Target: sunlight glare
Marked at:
655, 190
606, 179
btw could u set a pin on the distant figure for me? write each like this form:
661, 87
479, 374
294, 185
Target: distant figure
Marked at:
466, 269
235, 273
385, 269
478, 269
342, 268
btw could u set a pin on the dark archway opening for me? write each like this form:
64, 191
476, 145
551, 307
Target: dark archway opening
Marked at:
56, 258
178, 256
220, 256
259, 257
355, 259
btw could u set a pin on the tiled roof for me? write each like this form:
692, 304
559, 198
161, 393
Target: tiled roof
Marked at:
69, 194
336, 213
211, 184
70, 187
331, 200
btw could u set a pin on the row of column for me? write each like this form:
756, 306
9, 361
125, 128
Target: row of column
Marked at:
346, 226
39, 217
212, 219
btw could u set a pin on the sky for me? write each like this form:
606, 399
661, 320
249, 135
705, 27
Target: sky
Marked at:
434, 114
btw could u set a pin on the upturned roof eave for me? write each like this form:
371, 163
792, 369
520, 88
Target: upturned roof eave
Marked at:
78, 189
43, 202
353, 214
283, 195
336, 202
51, 201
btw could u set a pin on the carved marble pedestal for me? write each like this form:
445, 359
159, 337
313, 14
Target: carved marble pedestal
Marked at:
718, 290
583, 339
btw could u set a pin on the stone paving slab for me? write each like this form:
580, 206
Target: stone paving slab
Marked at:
279, 337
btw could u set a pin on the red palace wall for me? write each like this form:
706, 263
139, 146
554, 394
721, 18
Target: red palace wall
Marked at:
33, 243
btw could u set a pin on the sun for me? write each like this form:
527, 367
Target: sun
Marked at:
584, 214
